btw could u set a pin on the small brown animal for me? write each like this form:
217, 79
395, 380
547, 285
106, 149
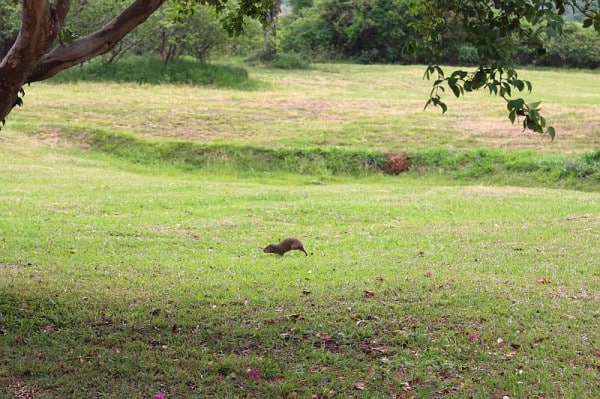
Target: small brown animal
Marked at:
289, 244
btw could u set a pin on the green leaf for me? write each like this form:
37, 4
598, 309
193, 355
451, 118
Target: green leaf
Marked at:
439, 71
479, 79
588, 22
551, 132
455, 88
459, 74
515, 104
427, 104
437, 102
427, 73
519, 84
443, 106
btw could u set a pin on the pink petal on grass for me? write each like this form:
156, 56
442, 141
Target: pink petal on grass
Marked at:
474, 337
254, 374
159, 395
428, 273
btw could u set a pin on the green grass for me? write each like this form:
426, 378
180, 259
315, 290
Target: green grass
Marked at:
490, 166
132, 219
153, 279
343, 106
329, 120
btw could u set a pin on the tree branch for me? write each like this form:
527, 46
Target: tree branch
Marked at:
95, 44
40, 24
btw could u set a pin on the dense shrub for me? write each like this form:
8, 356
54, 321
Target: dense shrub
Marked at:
576, 48
368, 31
153, 70
359, 30
274, 59
288, 61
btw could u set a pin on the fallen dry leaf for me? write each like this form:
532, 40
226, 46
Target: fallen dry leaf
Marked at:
400, 374
369, 294
360, 385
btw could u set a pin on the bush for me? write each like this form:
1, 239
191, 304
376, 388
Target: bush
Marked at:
358, 30
586, 166
152, 70
288, 61
467, 55
575, 48
274, 59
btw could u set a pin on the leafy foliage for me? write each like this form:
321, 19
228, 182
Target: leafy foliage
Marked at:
197, 35
576, 47
10, 14
492, 29
358, 30
498, 82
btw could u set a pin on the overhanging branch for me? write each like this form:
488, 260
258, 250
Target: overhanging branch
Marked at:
95, 44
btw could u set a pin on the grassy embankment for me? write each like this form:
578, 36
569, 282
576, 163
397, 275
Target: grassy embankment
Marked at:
122, 279
331, 120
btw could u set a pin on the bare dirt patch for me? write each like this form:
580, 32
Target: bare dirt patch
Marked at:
497, 132
397, 163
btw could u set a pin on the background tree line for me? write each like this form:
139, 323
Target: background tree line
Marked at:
364, 31
380, 31
163, 35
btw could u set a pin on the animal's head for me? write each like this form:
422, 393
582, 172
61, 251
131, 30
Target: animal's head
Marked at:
269, 249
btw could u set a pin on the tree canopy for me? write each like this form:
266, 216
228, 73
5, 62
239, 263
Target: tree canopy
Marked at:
491, 27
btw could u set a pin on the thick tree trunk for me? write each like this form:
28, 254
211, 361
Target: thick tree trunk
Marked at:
40, 24
29, 59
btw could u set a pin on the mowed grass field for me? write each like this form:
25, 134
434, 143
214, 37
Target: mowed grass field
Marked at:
128, 281
346, 106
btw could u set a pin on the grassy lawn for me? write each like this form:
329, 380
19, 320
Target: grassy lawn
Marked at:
347, 106
122, 280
